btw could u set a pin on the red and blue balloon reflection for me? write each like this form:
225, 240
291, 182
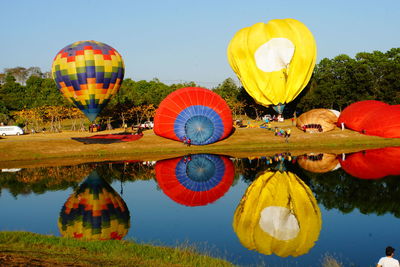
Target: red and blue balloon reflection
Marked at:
195, 180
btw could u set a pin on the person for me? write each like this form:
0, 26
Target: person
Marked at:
388, 261
287, 135
189, 142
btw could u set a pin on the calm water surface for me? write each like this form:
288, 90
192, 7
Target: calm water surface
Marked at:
277, 210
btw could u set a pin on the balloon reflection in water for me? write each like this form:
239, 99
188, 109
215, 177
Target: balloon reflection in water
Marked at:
319, 163
373, 163
279, 215
95, 212
195, 180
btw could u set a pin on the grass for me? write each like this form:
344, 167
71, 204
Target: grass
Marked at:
29, 249
48, 149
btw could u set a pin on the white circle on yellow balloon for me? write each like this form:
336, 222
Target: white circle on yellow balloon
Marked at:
279, 222
274, 55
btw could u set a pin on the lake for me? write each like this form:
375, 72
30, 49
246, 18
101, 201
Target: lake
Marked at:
275, 210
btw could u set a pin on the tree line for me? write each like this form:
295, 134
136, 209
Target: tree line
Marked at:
30, 97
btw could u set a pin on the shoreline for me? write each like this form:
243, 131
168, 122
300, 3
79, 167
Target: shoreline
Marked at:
45, 149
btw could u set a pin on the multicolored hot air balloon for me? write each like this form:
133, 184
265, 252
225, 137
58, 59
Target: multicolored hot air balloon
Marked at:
279, 215
273, 61
94, 212
372, 163
193, 113
195, 180
88, 74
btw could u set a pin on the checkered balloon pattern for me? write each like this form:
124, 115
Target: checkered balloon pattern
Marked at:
88, 73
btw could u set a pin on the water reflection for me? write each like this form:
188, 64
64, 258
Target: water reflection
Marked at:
278, 212
94, 212
319, 163
373, 163
279, 215
195, 180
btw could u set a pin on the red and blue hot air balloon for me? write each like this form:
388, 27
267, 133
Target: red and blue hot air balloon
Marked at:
193, 113
195, 180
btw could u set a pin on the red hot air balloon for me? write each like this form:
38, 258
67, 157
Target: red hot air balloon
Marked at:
193, 113
372, 118
353, 116
195, 180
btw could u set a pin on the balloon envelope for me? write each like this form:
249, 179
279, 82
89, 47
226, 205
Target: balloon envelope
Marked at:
279, 215
94, 212
373, 163
88, 74
195, 180
353, 116
317, 120
273, 61
195, 113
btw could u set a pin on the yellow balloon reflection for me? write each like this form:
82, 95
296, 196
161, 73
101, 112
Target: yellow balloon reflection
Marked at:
273, 61
279, 215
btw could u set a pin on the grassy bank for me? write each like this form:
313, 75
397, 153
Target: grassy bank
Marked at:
56, 148
28, 249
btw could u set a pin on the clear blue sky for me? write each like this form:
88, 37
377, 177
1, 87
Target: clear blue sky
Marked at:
185, 40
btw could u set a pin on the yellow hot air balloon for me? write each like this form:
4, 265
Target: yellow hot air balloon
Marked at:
273, 61
279, 215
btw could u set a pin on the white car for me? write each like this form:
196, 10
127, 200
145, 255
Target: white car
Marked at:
10, 130
147, 125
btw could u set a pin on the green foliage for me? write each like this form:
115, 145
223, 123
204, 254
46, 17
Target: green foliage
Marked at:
343, 80
335, 84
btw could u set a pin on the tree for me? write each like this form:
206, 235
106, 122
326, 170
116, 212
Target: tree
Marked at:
20, 74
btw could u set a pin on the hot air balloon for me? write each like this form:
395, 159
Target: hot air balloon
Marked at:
372, 117
279, 215
372, 163
88, 74
318, 163
94, 212
317, 120
195, 180
273, 61
353, 115
193, 113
